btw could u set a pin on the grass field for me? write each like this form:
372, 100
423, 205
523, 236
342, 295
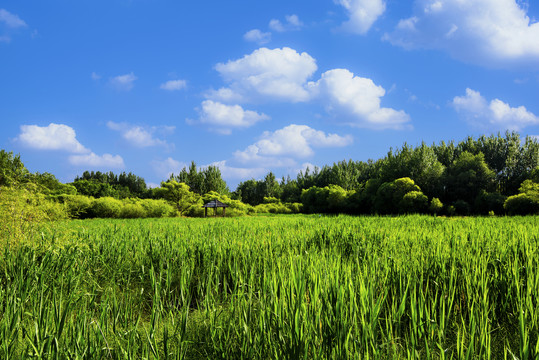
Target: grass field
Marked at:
296, 287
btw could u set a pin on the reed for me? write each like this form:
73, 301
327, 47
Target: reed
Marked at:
298, 287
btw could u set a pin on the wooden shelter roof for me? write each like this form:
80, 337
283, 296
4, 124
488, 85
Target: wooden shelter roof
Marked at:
214, 204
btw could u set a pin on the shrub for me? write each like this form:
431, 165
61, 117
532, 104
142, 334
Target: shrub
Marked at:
414, 202
157, 208
487, 202
390, 195
521, 204
461, 208
435, 206
132, 210
78, 206
106, 207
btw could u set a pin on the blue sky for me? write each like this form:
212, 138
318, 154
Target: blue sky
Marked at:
256, 86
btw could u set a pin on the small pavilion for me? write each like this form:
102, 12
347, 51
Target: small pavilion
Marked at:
214, 204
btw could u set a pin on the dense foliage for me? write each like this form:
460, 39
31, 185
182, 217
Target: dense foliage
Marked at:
474, 176
487, 175
294, 287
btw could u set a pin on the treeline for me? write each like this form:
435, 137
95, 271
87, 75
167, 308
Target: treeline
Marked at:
495, 174
498, 174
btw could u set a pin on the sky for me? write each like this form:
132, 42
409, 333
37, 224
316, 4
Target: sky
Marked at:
147, 86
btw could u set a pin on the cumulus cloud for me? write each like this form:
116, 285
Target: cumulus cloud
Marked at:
51, 137
63, 137
138, 135
278, 74
362, 14
358, 99
223, 118
257, 36
486, 32
292, 23
283, 74
123, 82
93, 160
476, 109
292, 141
11, 20
173, 85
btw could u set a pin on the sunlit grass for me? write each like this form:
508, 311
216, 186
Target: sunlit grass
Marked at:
274, 287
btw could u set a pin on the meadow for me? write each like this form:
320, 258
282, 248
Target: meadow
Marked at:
279, 287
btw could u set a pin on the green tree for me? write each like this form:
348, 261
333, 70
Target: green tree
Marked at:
177, 194
212, 181
390, 195
12, 170
467, 176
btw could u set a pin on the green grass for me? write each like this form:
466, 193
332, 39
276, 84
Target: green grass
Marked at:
298, 287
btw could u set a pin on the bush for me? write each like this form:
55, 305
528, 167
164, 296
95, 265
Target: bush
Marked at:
21, 210
157, 208
461, 207
414, 202
487, 202
106, 207
132, 210
435, 206
390, 195
521, 204
78, 206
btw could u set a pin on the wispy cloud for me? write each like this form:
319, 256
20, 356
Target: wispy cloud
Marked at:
362, 14
173, 85
257, 36
124, 82
96, 161
11, 20
140, 136
292, 23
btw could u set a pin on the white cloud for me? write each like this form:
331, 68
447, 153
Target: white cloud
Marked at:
51, 137
292, 23
11, 20
257, 36
293, 20
167, 167
5, 39
123, 82
225, 95
137, 135
277, 73
225, 117
230, 172
362, 14
487, 32
95, 76
93, 160
172, 85
295, 141
476, 109
276, 25
282, 75
358, 99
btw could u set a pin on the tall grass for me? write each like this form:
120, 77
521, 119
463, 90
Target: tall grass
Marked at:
301, 287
